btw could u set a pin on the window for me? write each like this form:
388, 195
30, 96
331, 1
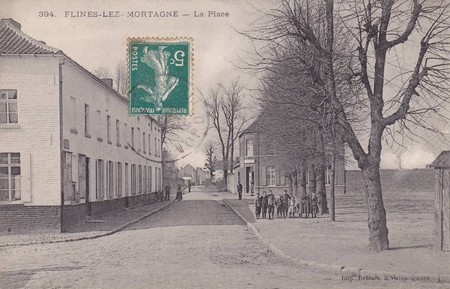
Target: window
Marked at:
119, 180
149, 144
156, 147
271, 176
9, 176
328, 174
133, 179
100, 179
108, 129
132, 137
127, 181
144, 180
117, 132
138, 139
86, 120
73, 114
140, 180
249, 147
143, 142
98, 119
150, 178
8, 106
110, 180
125, 135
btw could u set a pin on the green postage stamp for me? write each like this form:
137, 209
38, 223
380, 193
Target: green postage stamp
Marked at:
160, 75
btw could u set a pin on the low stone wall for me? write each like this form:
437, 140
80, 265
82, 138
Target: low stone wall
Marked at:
394, 180
21, 219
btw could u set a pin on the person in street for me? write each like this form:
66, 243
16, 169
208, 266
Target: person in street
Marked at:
179, 196
306, 206
271, 205
264, 205
239, 190
189, 186
167, 190
258, 201
279, 205
292, 206
314, 206
286, 203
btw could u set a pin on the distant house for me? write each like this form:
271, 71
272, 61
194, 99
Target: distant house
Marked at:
261, 169
196, 176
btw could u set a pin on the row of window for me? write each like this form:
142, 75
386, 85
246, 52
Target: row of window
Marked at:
8, 106
139, 141
110, 177
271, 176
9, 176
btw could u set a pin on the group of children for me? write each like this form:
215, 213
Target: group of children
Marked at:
286, 206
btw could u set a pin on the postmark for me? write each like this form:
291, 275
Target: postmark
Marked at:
160, 71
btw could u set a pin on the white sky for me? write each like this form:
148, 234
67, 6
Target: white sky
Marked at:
101, 42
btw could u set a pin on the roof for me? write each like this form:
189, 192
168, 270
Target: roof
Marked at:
442, 161
254, 126
188, 166
14, 41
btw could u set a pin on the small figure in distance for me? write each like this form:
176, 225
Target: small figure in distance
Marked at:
179, 196
239, 190
167, 190
258, 203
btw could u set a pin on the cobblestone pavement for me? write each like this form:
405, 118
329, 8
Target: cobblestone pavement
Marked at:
195, 243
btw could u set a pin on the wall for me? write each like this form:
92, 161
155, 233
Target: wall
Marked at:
36, 136
395, 180
79, 88
21, 219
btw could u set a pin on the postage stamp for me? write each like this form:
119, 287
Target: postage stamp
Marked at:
160, 75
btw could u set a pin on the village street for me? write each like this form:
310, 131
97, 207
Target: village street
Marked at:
196, 243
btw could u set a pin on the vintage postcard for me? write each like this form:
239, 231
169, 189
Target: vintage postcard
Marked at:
224, 144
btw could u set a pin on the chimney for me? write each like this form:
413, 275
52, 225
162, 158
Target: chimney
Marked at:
108, 81
12, 22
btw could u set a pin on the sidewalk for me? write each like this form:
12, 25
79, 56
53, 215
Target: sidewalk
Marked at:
110, 224
344, 243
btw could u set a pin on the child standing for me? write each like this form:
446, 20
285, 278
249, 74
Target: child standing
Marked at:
258, 202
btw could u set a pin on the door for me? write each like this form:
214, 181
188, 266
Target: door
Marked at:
86, 188
249, 179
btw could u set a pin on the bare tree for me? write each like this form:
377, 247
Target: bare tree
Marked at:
171, 126
378, 28
225, 109
122, 79
102, 72
211, 160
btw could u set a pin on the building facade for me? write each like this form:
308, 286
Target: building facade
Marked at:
196, 176
262, 169
68, 147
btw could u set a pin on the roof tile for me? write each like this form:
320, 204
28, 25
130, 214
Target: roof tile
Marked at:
14, 41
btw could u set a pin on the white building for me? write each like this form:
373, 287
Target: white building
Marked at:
68, 147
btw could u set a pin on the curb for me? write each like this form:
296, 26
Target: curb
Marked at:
344, 271
120, 228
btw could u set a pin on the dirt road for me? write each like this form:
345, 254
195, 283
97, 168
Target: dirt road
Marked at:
195, 243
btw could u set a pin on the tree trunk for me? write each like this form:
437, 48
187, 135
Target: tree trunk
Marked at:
333, 175
312, 179
378, 231
225, 179
320, 189
321, 192
302, 180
